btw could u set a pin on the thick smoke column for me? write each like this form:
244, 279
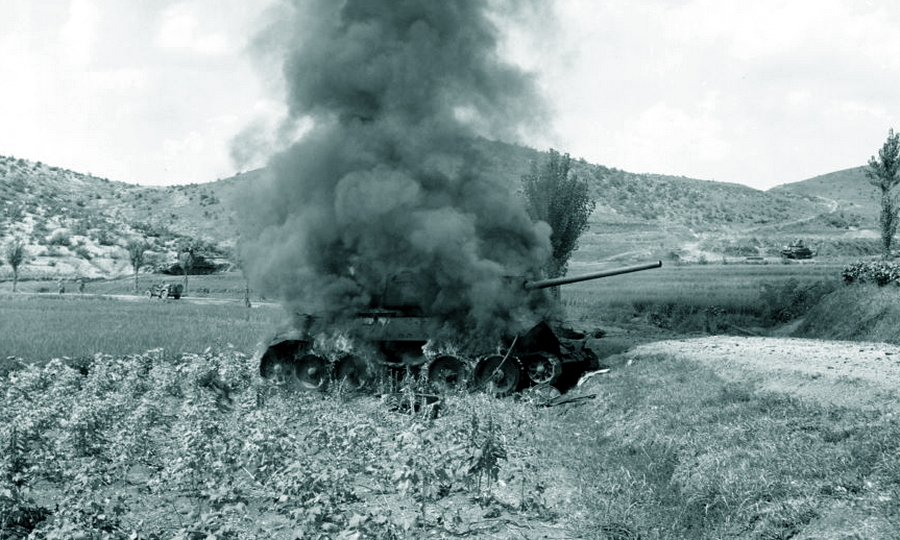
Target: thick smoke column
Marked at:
389, 177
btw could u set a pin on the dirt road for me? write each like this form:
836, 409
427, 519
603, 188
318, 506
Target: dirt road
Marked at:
848, 374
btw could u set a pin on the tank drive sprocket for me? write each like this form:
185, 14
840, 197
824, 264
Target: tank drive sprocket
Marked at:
543, 368
498, 375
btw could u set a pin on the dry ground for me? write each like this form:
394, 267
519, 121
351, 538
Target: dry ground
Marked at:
844, 373
856, 375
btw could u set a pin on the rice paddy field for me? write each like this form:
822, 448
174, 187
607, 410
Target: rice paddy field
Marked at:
753, 294
39, 324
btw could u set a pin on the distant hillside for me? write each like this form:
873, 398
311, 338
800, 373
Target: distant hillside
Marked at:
75, 224
850, 188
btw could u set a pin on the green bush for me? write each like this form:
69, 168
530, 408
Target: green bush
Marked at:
878, 272
60, 238
83, 252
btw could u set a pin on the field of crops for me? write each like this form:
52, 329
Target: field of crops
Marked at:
186, 442
38, 327
685, 297
197, 447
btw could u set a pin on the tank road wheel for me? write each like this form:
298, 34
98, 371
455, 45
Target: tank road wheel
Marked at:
353, 373
284, 364
276, 358
448, 374
543, 369
310, 372
497, 375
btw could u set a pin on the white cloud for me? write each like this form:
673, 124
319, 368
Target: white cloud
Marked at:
79, 33
673, 136
759, 92
181, 30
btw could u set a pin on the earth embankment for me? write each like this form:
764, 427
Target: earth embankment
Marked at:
844, 373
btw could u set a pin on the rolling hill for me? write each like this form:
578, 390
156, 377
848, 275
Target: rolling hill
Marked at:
75, 224
857, 199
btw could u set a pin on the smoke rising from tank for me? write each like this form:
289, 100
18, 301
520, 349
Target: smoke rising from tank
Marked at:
389, 177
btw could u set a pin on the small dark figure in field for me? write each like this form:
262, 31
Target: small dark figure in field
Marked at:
81, 285
60, 286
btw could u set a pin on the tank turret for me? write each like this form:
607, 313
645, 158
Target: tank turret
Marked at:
397, 335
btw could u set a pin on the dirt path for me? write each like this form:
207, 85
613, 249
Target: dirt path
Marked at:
848, 374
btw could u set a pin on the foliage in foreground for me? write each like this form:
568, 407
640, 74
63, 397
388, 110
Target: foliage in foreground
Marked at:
880, 273
194, 447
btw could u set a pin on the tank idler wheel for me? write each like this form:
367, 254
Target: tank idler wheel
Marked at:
498, 375
310, 372
543, 369
448, 374
353, 373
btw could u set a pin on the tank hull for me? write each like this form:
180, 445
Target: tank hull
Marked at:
383, 349
393, 340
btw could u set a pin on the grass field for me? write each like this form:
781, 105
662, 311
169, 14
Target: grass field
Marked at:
36, 328
224, 285
684, 297
192, 444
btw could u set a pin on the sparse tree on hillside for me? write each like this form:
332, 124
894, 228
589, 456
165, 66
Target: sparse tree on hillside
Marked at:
884, 173
15, 255
136, 249
186, 259
558, 197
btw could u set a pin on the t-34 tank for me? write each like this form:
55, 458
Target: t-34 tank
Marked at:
396, 335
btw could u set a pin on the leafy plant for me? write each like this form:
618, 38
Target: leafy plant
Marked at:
878, 272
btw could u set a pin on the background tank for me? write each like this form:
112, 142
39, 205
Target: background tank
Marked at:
797, 250
395, 335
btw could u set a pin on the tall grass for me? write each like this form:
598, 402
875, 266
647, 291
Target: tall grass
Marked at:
670, 450
709, 298
863, 312
37, 328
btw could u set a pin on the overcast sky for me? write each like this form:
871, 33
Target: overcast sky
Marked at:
756, 92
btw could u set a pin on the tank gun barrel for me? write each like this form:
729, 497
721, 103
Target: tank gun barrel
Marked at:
544, 283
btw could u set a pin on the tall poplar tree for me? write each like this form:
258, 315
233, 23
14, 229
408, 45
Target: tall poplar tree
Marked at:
884, 173
558, 197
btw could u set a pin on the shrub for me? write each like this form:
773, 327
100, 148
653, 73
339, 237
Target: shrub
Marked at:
104, 238
60, 238
83, 252
878, 272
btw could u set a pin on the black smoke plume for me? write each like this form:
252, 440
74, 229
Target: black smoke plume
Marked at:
390, 178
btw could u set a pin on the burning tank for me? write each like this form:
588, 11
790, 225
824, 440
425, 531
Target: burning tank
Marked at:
395, 336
